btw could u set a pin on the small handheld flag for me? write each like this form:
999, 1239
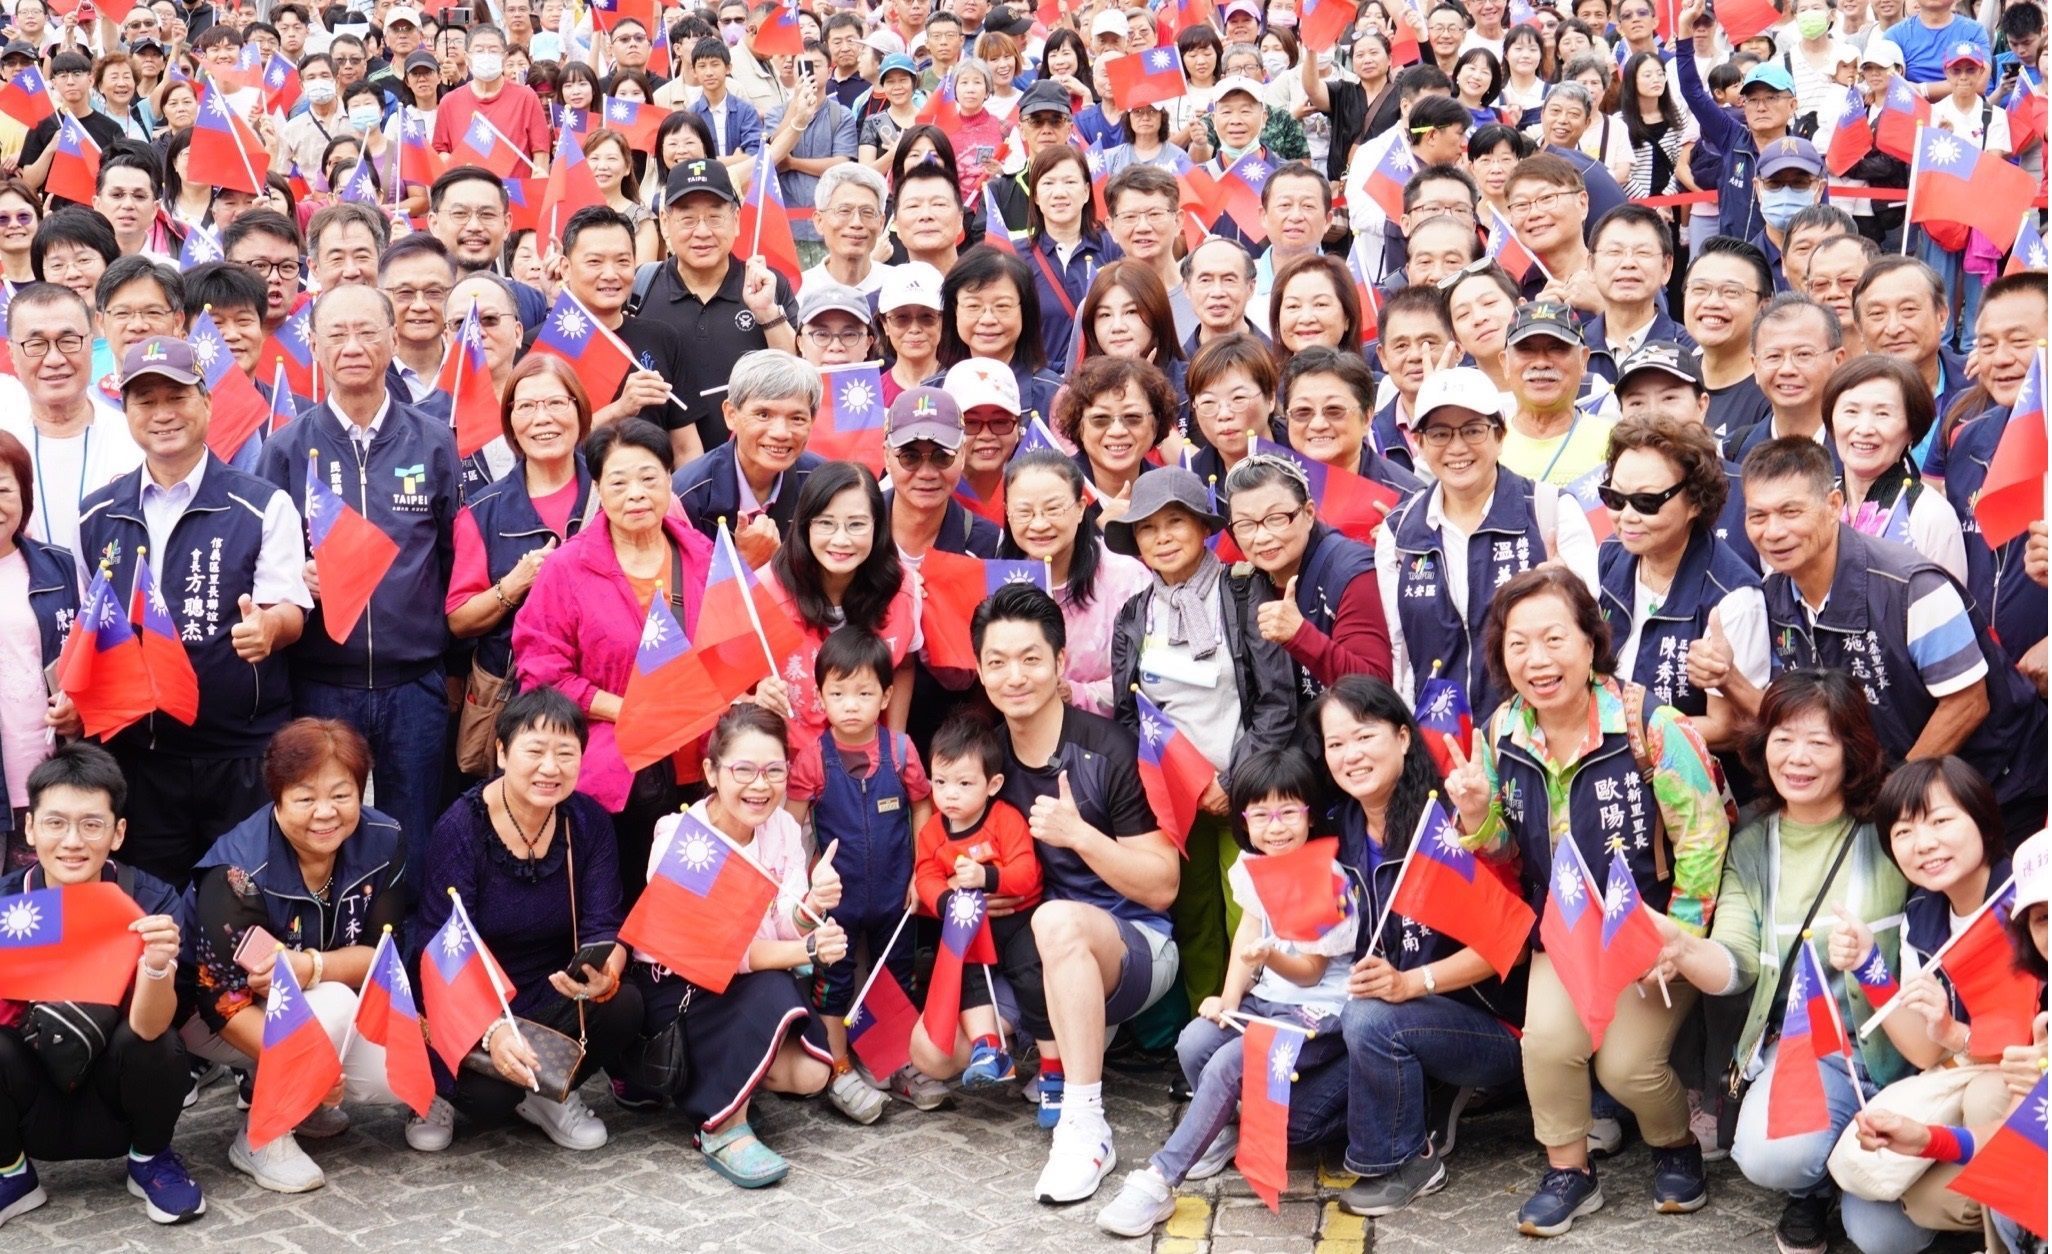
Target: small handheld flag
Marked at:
173, 685
350, 554
704, 901
1269, 1068
69, 943
298, 1066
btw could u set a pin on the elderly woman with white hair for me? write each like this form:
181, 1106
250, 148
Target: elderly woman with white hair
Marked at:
848, 210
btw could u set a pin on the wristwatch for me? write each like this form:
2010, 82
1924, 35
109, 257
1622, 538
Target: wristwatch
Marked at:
781, 320
1431, 985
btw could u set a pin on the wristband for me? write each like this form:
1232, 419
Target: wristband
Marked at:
781, 320
1949, 1143
500, 592
156, 973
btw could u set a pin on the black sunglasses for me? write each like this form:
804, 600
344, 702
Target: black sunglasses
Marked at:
1646, 504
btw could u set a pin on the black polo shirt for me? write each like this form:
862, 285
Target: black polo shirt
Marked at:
659, 348
718, 332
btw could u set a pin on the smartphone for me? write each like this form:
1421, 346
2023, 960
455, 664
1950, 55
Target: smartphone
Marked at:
457, 15
593, 956
256, 945
805, 69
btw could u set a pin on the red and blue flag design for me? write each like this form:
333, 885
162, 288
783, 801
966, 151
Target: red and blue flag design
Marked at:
2029, 252
637, 120
462, 987
101, 668
880, 1027
298, 1066
199, 246
669, 701
1507, 250
704, 901
69, 943
419, 163
1852, 138
739, 625
1269, 1067
954, 586
282, 408
1876, 980
1796, 1105
1239, 194
74, 172
1173, 771
780, 35
1586, 494
1148, 77
965, 938
486, 145
2007, 1175
350, 553
173, 685
597, 355
466, 378
1321, 24
850, 422
1303, 892
387, 1017
281, 84
1571, 931
1391, 171
1953, 181
226, 148
1443, 713
239, 410
1351, 504
1631, 943
26, 97
1979, 963
1448, 890
766, 225
1903, 112
2012, 497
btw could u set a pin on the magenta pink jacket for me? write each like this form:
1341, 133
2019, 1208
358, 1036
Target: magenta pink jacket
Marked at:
579, 628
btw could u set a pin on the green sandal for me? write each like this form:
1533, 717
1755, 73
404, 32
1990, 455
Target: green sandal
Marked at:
745, 1161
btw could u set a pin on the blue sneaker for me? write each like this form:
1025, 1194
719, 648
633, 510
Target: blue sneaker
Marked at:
1564, 1196
20, 1193
167, 1189
1680, 1186
1050, 1101
987, 1067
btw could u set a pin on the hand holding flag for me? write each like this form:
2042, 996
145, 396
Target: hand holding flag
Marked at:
71, 943
298, 1067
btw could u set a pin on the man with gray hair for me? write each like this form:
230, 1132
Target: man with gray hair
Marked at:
1220, 278
1797, 343
752, 480
848, 211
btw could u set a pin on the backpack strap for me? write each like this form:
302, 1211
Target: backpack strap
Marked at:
1635, 732
644, 281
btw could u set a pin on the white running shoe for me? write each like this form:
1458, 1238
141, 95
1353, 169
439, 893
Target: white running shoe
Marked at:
324, 1122
281, 1166
431, 1133
569, 1124
922, 1090
1218, 1157
853, 1096
1144, 1202
1081, 1156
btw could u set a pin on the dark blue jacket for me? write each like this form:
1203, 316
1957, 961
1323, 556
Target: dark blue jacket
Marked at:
710, 489
1057, 308
1738, 209
511, 529
2015, 606
53, 599
1927, 925
1331, 563
1864, 630
743, 128
369, 872
1604, 365
210, 560
407, 486
1387, 439
1762, 431
961, 532
1709, 572
872, 818
1730, 527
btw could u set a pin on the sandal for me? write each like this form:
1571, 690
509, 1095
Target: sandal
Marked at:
745, 1161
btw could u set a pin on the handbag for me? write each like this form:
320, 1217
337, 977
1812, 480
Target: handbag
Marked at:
557, 1058
658, 1063
69, 1037
483, 697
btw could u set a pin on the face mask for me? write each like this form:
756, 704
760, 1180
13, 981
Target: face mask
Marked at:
320, 91
1780, 205
487, 66
732, 34
1813, 25
1282, 17
361, 120
1275, 62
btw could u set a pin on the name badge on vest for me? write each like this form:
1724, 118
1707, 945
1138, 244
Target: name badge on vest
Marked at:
1159, 662
887, 805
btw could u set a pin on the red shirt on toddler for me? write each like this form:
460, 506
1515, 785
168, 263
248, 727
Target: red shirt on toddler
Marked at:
1000, 838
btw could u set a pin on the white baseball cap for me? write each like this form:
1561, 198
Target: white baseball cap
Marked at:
2032, 867
911, 283
1462, 387
1110, 22
1238, 83
402, 13
1883, 52
981, 381
884, 42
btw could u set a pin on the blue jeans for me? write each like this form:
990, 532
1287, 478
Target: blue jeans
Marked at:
1392, 1050
1797, 1165
1212, 1059
406, 726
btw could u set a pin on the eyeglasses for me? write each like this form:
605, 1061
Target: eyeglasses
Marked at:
92, 828
1800, 358
485, 321
746, 773
1334, 415
405, 296
556, 406
39, 347
1469, 432
275, 269
845, 214
899, 321
1646, 504
1544, 203
1430, 209
912, 457
1275, 524
1137, 216
1105, 422
999, 427
853, 528
853, 338
126, 314
20, 217
1270, 816
1730, 293
1614, 252
464, 215
692, 223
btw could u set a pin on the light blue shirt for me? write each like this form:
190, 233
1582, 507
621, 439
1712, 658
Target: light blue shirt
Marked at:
281, 560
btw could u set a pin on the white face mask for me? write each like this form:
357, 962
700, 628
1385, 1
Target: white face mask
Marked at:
487, 66
321, 91
1275, 62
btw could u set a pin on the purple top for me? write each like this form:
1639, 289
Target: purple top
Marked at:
520, 907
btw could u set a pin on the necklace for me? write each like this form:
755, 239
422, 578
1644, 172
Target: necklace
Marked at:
539, 828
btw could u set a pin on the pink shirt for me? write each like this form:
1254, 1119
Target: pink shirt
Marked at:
470, 572
1090, 628
24, 697
778, 848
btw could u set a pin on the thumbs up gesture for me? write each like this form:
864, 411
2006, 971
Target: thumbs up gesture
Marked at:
1278, 620
1467, 784
1116, 505
1056, 820
1709, 659
1851, 940
825, 892
253, 635
521, 578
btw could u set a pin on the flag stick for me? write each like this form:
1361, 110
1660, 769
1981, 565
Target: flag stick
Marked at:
491, 973
278, 388
1403, 869
256, 184
1838, 1027
754, 619
995, 1016
349, 1033
1931, 963
761, 207
1909, 202
876, 967
1240, 1020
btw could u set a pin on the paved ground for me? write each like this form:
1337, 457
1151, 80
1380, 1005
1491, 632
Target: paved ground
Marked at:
953, 1181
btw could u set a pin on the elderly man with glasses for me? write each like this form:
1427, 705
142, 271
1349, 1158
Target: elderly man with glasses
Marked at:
80, 443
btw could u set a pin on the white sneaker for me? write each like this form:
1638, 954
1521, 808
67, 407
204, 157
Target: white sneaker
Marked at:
324, 1122
1145, 1201
431, 1133
569, 1124
1218, 1157
852, 1096
915, 1086
281, 1166
1606, 1136
1081, 1156
1703, 1126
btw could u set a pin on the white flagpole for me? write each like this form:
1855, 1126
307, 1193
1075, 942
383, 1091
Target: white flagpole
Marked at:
755, 620
1908, 209
349, 1033
1403, 868
1837, 1024
1931, 963
491, 972
877, 966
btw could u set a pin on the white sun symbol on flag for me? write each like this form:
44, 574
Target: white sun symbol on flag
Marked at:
1279, 1064
1255, 175
1945, 150
962, 911
1160, 59
1449, 839
453, 941
216, 105
1568, 884
856, 398
303, 329
620, 110
2039, 1113
1150, 730
205, 249
473, 334
399, 980
2036, 257
21, 920
1614, 899
280, 1000
482, 132
1877, 968
157, 604
571, 324
1018, 576
697, 853
204, 349
855, 1020
652, 632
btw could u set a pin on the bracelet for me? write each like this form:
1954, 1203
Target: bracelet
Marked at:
781, 320
1949, 1144
486, 1043
320, 968
156, 973
500, 593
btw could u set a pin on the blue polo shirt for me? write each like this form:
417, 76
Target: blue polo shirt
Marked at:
1924, 49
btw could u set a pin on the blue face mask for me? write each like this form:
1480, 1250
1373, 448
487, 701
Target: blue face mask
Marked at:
1780, 205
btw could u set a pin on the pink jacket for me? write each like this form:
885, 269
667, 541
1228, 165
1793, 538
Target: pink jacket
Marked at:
579, 628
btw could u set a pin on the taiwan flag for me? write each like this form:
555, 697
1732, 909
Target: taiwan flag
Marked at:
1904, 111
1403, 45
669, 701
955, 585
1876, 980
26, 97
1571, 930
592, 349
766, 225
1323, 23
419, 163
1631, 943
740, 626
995, 232
524, 203
386, 1016
281, 84
1852, 138
880, 1027
780, 35
1391, 171
102, 668
239, 410
1953, 181
1302, 892
1587, 494
1240, 194
659, 50
704, 901
1999, 999
939, 109
1743, 19
1149, 77
462, 986
74, 172
293, 346
2029, 252
965, 938
1351, 504
2012, 497
1507, 250
350, 553
1183, 14
1443, 713
1200, 200
361, 187
1446, 889
1365, 291
70, 943
1173, 771
226, 148
298, 1066
282, 408
173, 685
1269, 1066
486, 145
637, 120
850, 422
466, 379
2026, 110
1796, 1105
2007, 1175
199, 246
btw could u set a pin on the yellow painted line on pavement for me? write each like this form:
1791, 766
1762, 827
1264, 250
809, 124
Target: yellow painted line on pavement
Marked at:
1341, 1233
1191, 1222
1330, 1179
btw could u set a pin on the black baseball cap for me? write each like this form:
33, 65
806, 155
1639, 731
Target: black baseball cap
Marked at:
1544, 317
701, 174
1675, 360
1045, 97
1006, 20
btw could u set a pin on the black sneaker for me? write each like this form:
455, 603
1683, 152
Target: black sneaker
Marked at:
1679, 1183
1385, 1195
1805, 1226
1564, 1196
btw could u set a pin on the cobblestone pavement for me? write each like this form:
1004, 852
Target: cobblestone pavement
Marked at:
957, 1180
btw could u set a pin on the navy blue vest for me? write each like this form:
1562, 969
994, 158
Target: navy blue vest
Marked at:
1507, 543
1927, 925
872, 818
2015, 605
210, 560
1331, 563
1709, 572
511, 529
368, 864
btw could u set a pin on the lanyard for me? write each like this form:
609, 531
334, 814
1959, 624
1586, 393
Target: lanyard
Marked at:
1547, 474
85, 455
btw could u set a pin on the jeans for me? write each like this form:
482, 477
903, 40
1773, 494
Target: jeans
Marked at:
1392, 1050
1213, 1060
405, 726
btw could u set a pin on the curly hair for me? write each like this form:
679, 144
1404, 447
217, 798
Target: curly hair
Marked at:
1797, 692
1693, 450
1101, 375
1544, 581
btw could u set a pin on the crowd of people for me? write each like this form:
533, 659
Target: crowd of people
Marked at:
1558, 363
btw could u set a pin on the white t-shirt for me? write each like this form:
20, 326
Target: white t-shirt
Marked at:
69, 470
1966, 123
1336, 946
1743, 615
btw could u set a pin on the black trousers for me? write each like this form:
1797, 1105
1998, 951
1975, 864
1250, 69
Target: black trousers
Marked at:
1019, 962
178, 807
610, 1027
130, 1100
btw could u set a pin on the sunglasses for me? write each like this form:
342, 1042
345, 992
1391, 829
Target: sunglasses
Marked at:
1646, 504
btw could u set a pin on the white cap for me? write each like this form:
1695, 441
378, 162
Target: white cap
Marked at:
1240, 83
911, 283
402, 13
2032, 867
1844, 54
981, 381
1110, 22
1883, 52
883, 41
1462, 387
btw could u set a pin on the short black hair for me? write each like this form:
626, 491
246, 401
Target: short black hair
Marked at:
711, 48
850, 651
82, 765
131, 159
127, 270
541, 708
262, 222
74, 224
631, 432
1422, 77
1019, 603
224, 285
1284, 771
1348, 367
416, 242
595, 218
1636, 215
967, 734
1790, 457
459, 174
1743, 252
